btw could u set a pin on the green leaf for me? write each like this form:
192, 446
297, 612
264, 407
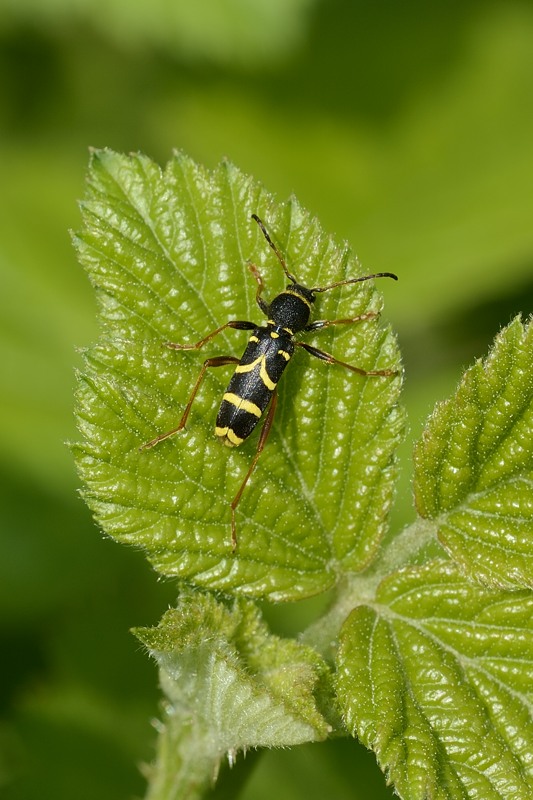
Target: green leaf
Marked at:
167, 253
436, 677
474, 465
230, 685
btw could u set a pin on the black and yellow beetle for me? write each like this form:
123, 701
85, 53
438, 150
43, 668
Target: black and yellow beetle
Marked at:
253, 385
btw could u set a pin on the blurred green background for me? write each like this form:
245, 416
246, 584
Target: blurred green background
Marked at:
406, 127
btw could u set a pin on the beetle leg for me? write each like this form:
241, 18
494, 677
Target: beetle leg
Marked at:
217, 361
329, 359
325, 323
241, 325
265, 430
263, 305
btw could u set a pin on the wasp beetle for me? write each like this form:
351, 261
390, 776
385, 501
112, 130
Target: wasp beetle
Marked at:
253, 386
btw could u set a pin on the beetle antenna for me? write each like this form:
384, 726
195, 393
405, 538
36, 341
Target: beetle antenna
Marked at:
274, 248
354, 280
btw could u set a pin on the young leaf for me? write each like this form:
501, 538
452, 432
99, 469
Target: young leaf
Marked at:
474, 465
230, 686
436, 677
167, 253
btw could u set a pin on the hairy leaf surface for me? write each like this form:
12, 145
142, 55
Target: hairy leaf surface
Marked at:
167, 252
474, 465
436, 677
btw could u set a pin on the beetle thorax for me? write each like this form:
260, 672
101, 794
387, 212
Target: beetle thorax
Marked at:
292, 308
